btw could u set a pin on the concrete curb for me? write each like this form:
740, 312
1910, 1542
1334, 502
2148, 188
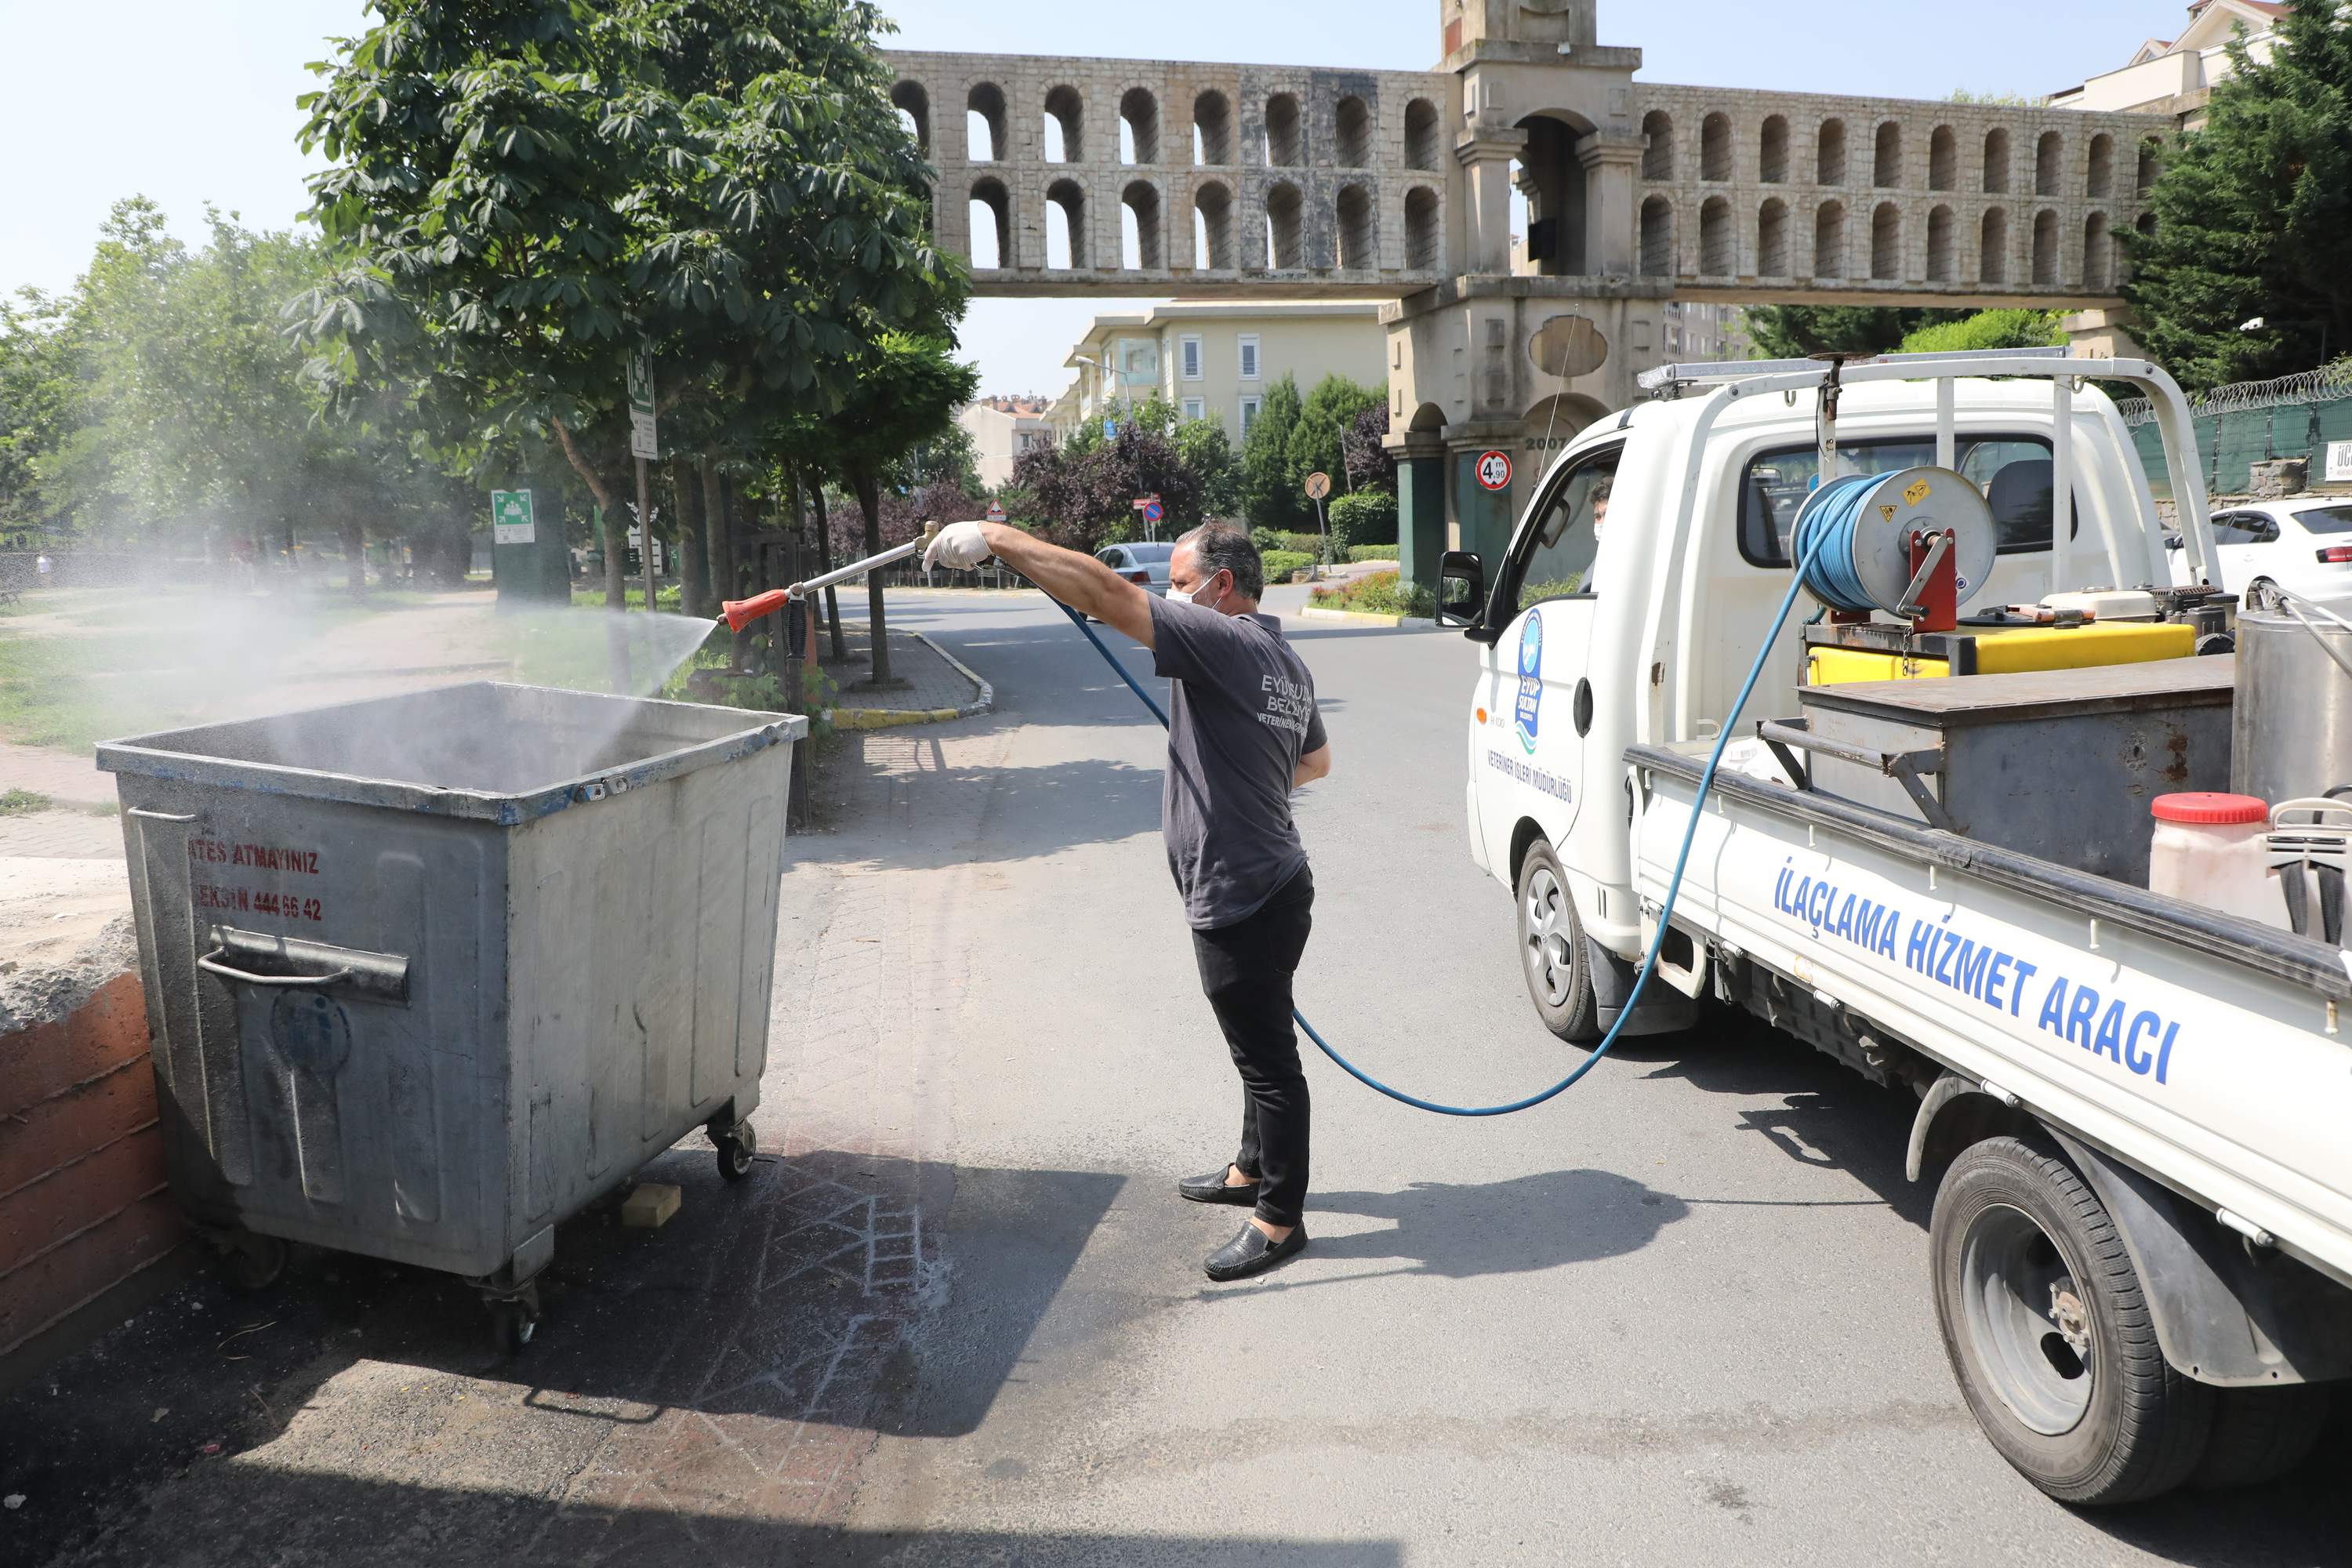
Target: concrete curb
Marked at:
899, 717
1366, 618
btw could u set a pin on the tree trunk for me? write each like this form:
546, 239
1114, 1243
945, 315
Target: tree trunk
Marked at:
718, 555
869, 502
825, 569
692, 583
617, 552
355, 558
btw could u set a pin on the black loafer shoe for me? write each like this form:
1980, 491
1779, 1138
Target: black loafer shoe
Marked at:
1252, 1253
1211, 1189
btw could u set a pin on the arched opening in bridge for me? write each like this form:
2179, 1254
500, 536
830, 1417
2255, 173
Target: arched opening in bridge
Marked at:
992, 226
1996, 161
1992, 247
1424, 230
1715, 147
1066, 226
1886, 242
1718, 245
1942, 259
1422, 146
1943, 159
1286, 229
1286, 142
1143, 247
2098, 253
1829, 241
914, 106
984, 123
1658, 150
2151, 166
1065, 115
1772, 239
1772, 159
1829, 162
1552, 179
1352, 123
2103, 165
1139, 127
2049, 163
2045, 248
1657, 237
1213, 228
1359, 231
1886, 162
2146, 227
1556, 421
1212, 131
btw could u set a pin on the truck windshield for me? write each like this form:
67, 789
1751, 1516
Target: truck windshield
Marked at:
2014, 472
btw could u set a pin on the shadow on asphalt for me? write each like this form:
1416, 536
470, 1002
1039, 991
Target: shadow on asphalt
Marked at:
751, 1302
1517, 1226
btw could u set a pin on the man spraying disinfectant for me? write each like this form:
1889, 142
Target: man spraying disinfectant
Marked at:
1244, 733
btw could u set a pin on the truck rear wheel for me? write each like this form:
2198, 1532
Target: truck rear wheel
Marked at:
2049, 1332
1552, 951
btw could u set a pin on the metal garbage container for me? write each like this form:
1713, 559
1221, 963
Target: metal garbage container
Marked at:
426, 976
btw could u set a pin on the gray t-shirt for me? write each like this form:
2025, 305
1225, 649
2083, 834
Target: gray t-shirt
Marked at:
1242, 714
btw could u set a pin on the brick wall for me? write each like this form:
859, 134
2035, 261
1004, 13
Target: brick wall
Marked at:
83, 1204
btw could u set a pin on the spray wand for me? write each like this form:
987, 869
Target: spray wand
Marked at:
741, 613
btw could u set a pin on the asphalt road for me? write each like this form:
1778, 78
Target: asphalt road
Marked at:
1681, 1315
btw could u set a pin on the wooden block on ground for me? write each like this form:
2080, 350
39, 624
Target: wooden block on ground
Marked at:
651, 1205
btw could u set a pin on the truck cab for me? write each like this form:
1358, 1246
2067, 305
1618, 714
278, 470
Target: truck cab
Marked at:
1648, 567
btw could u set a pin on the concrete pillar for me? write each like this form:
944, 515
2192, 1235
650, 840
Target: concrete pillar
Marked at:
1421, 503
1486, 156
1481, 518
1611, 159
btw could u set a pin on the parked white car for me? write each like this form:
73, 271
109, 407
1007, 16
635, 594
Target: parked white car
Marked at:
2305, 545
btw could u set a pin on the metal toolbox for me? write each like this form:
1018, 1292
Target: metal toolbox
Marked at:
427, 974
2061, 763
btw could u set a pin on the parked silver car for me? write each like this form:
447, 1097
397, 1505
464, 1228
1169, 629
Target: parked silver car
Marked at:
1145, 565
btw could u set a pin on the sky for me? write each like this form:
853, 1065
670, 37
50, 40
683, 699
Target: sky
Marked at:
192, 101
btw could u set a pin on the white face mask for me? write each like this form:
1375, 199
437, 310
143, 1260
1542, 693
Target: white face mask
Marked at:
1182, 597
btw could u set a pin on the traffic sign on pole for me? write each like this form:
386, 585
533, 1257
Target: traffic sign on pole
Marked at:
1494, 470
644, 440
1319, 485
996, 512
1154, 513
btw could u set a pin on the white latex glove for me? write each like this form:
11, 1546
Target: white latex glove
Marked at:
962, 545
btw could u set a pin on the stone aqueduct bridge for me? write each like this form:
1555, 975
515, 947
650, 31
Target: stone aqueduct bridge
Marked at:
1158, 178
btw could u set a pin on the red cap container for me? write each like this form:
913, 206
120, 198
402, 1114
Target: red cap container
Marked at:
2206, 810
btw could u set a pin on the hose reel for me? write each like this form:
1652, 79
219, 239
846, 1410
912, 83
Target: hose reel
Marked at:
1917, 544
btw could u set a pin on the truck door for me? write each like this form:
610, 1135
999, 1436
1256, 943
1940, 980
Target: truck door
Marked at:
1534, 692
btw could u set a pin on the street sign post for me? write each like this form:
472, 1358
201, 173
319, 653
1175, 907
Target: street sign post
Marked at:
512, 520
996, 512
1153, 514
1319, 485
644, 446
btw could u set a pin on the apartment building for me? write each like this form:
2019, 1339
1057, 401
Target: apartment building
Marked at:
1214, 359
1002, 429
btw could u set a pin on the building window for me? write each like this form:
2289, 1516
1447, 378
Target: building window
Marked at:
1195, 409
1250, 369
1250, 405
1189, 356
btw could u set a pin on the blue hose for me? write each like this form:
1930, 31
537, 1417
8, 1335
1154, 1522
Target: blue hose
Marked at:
1824, 542
1807, 553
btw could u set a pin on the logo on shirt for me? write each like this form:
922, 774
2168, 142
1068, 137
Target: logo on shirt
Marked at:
1530, 703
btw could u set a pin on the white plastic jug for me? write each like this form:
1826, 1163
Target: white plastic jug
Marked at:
2213, 851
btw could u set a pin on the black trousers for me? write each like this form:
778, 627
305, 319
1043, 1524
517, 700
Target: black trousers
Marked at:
1246, 969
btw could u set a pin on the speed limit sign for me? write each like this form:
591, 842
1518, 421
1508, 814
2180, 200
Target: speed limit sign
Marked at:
1494, 470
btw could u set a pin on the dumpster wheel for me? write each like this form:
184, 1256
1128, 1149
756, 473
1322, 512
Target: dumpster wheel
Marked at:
253, 1262
737, 1147
514, 1319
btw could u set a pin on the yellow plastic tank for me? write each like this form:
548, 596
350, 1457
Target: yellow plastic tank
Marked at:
1838, 655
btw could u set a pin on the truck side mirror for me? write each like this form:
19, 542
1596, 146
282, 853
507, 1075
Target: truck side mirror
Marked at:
1461, 591
2173, 542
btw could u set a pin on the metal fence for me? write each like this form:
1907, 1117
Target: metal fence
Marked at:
2253, 422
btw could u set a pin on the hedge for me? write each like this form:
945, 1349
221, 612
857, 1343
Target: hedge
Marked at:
1281, 563
1366, 517
1361, 552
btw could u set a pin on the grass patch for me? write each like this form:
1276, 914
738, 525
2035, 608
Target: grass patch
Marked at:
1379, 593
22, 802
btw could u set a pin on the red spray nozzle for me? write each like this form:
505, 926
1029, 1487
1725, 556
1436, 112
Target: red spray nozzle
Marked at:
741, 613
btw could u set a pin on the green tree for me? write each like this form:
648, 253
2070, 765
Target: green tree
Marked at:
2253, 214
1319, 441
1991, 329
1207, 455
1794, 331
531, 193
1268, 497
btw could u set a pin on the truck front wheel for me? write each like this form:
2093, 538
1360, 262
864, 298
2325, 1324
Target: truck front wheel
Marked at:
2049, 1332
1552, 953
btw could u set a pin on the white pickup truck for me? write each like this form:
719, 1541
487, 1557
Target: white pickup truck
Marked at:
2140, 1110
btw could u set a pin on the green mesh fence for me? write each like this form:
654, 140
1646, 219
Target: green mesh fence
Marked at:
2238, 426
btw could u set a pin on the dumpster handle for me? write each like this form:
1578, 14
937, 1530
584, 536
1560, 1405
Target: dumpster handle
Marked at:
211, 964
142, 811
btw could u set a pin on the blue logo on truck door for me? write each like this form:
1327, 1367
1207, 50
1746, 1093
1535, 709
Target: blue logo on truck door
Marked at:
1530, 680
